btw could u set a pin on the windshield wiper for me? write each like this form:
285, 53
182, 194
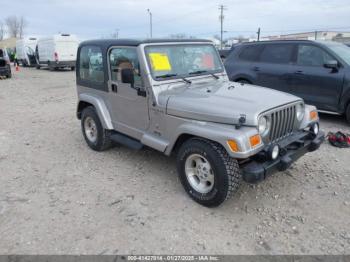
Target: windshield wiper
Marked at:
166, 75
186, 80
203, 71
171, 75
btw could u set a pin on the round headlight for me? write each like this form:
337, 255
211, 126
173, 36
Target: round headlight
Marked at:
300, 111
262, 125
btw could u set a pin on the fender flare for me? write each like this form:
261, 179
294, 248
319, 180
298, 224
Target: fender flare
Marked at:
219, 134
101, 109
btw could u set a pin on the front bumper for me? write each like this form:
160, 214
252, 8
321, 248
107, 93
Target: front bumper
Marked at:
64, 64
292, 148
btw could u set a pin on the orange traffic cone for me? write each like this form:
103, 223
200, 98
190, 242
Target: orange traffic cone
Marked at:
17, 68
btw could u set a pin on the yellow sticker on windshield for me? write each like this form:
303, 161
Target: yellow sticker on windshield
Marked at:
160, 62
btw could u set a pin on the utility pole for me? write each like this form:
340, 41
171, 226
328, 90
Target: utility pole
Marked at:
150, 22
117, 33
258, 34
221, 8
315, 35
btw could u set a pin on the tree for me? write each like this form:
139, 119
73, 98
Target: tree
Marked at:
2, 30
217, 37
22, 25
15, 26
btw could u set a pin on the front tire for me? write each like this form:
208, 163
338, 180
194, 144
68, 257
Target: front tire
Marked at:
95, 135
347, 114
208, 174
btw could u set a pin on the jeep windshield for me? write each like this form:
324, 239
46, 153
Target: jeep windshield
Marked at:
182, 60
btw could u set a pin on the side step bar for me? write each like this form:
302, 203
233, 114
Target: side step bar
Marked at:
126, 141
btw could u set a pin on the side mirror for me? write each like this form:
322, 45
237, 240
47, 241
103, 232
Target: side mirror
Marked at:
127, 75
333, 64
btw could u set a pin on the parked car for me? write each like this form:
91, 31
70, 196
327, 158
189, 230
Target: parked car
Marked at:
175, 97
25, 50
5, 68
58, 51
224, 53
317, 71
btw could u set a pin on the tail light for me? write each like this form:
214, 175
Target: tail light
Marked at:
56, 56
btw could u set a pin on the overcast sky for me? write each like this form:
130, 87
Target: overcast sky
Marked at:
200, 18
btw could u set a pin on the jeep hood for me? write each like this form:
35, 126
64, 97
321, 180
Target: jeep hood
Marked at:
223, 101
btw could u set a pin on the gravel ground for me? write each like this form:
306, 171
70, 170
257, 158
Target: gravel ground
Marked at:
59, 197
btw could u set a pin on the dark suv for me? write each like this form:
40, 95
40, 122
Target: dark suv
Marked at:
5, 68
317, 71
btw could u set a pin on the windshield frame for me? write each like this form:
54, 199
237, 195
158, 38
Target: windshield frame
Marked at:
177, 77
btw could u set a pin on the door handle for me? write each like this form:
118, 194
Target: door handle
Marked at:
256, 68
299, 72
114, 88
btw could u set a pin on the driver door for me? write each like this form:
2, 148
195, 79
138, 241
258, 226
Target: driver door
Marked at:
313, 82
129, 105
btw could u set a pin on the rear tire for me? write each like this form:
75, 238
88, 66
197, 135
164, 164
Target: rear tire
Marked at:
37, 67
206, 171
95, 135
72, 68
9, 75
347, 114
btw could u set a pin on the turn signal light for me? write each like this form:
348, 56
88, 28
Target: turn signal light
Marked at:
233, 145
255, 140
313, 115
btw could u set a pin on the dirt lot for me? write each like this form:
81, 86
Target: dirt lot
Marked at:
57, 196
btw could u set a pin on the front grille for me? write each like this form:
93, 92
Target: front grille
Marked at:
282, 123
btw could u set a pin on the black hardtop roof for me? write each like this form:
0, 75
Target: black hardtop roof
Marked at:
135, 42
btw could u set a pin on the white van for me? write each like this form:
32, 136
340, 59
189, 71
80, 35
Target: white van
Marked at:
25, 50
57, 51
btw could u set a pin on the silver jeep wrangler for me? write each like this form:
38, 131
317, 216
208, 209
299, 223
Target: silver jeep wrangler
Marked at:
174, 96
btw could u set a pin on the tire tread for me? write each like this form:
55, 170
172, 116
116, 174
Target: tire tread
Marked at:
231, 166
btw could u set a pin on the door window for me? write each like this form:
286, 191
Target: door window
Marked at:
90, 65
251, 53
309, 55
277, 53
124, 58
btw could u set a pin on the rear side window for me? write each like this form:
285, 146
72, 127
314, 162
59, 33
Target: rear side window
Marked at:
250, 53
309, 55
91, 64
277, 53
